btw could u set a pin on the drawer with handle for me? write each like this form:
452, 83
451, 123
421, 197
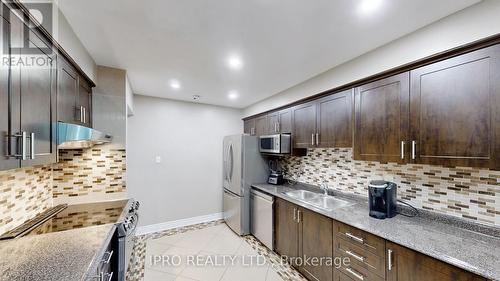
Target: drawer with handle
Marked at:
360, 256
355, 271
366, 241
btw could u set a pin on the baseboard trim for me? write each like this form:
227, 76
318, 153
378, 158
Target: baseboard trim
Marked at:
147, 229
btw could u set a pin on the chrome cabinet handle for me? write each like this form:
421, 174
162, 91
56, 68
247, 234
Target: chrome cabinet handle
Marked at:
278, 125
389, 259
317, 139
402, 150
294, 214
81, 114
356, 256
298, 216
357, 275
32, 142
108, 259
24, 137
413, 149
312, 139
354, 237
84, 115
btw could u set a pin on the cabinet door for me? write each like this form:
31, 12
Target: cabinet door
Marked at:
67, 91
273, 120
285, 228
335, 120
38, 101
8, 144
85, 102
406, 265
261, 126
315, 240
285, 121
304, 125
249, 127
381, 120
455, 109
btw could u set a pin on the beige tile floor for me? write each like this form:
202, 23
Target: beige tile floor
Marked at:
212, 246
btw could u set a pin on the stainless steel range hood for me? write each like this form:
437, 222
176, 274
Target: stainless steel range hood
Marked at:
71, 136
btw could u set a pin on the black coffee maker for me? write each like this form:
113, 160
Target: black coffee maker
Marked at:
382, 196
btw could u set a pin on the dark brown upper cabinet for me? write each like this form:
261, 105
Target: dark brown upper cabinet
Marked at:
455, 111
38, 102
381, 120
334, 120
279, 122
273, 121
326, 122
29, 112
74, 96
67, 93
285, 121
249, 127
85, 102
7, 142
261, 126
304, 125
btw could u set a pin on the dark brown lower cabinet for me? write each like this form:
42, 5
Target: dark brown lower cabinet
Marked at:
304, 234
407, 265
315, 243
286, 228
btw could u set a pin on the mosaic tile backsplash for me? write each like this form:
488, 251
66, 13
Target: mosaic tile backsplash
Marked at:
469, 193
23, 194
87, 175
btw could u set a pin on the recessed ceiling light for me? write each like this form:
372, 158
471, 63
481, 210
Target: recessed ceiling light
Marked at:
232, 95
174, 84
369, 6
234, 62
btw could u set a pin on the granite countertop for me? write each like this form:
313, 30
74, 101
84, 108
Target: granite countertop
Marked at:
65, 255
472, 251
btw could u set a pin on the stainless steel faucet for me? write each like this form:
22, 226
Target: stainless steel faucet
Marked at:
324, 187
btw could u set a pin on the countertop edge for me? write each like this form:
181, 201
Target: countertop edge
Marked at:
94, 264
390, 239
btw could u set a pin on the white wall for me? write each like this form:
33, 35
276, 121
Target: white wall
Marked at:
188, 138
471, 24
70, 42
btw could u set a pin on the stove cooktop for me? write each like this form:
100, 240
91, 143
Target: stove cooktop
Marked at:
66, 217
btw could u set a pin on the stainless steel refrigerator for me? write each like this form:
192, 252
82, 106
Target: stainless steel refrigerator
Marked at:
243, 165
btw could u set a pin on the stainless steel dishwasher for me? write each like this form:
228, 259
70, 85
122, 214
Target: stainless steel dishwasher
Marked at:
262, 219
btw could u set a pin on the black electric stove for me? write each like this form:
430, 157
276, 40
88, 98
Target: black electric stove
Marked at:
65, 217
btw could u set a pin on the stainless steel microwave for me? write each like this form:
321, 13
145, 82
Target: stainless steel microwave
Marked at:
275, 144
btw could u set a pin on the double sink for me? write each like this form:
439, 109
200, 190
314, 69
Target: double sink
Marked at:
322, 201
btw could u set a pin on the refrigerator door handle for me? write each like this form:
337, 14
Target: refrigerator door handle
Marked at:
225, 164
231, 163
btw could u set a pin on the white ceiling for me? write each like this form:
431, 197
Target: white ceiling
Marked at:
281, 43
